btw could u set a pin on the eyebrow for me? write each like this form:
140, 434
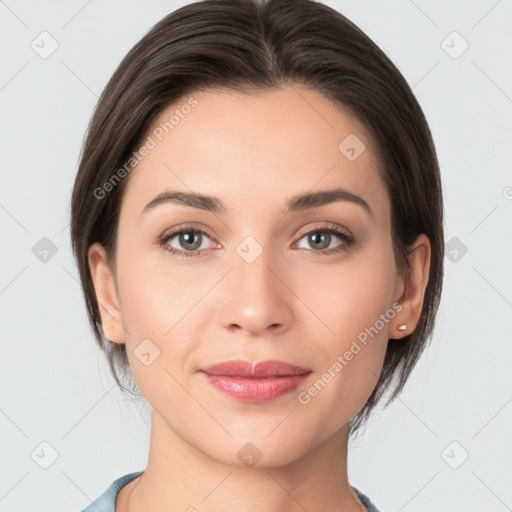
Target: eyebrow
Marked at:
297, 203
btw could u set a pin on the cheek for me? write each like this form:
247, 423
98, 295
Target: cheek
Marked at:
351, 361
355, 302
156, 294
350, 296
163, 318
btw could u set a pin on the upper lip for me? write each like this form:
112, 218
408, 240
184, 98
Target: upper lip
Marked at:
241, 368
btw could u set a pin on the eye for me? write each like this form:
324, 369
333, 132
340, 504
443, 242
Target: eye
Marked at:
321, 239
189, 240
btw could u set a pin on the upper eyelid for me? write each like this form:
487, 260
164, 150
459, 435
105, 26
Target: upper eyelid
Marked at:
327, 226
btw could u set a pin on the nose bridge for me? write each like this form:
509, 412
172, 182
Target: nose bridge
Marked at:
251, 268
254, 298
252, 262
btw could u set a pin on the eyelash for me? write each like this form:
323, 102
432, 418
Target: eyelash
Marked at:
347, 239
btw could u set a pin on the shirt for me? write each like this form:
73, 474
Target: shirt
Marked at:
107, 501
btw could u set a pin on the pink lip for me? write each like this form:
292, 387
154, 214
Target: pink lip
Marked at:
257, 382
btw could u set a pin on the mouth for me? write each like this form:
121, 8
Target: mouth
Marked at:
255, 382
241, 368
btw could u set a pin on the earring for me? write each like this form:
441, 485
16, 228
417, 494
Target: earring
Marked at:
402, 327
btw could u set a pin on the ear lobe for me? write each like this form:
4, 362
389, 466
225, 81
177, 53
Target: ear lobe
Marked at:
413, 288
106, 295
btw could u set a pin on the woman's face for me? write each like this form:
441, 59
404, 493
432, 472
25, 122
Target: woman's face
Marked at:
254, 285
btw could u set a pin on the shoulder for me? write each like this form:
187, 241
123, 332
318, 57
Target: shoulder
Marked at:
107, 501
365, 501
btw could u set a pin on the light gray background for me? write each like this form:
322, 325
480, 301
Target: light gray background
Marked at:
56, 387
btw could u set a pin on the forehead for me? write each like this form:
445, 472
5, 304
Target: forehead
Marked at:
245, 148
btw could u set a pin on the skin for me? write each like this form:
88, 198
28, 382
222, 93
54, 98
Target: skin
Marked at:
292, 303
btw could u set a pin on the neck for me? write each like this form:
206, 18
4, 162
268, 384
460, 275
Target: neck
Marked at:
179, 476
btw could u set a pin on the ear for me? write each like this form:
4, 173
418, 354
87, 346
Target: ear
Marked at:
106, 294
411, 291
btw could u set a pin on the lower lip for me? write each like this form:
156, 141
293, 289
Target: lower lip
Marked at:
255, 390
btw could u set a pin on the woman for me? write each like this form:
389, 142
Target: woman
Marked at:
258, 224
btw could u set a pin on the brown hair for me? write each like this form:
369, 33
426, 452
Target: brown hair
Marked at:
258, 45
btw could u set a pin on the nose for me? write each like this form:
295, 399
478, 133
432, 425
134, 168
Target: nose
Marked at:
255, 298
